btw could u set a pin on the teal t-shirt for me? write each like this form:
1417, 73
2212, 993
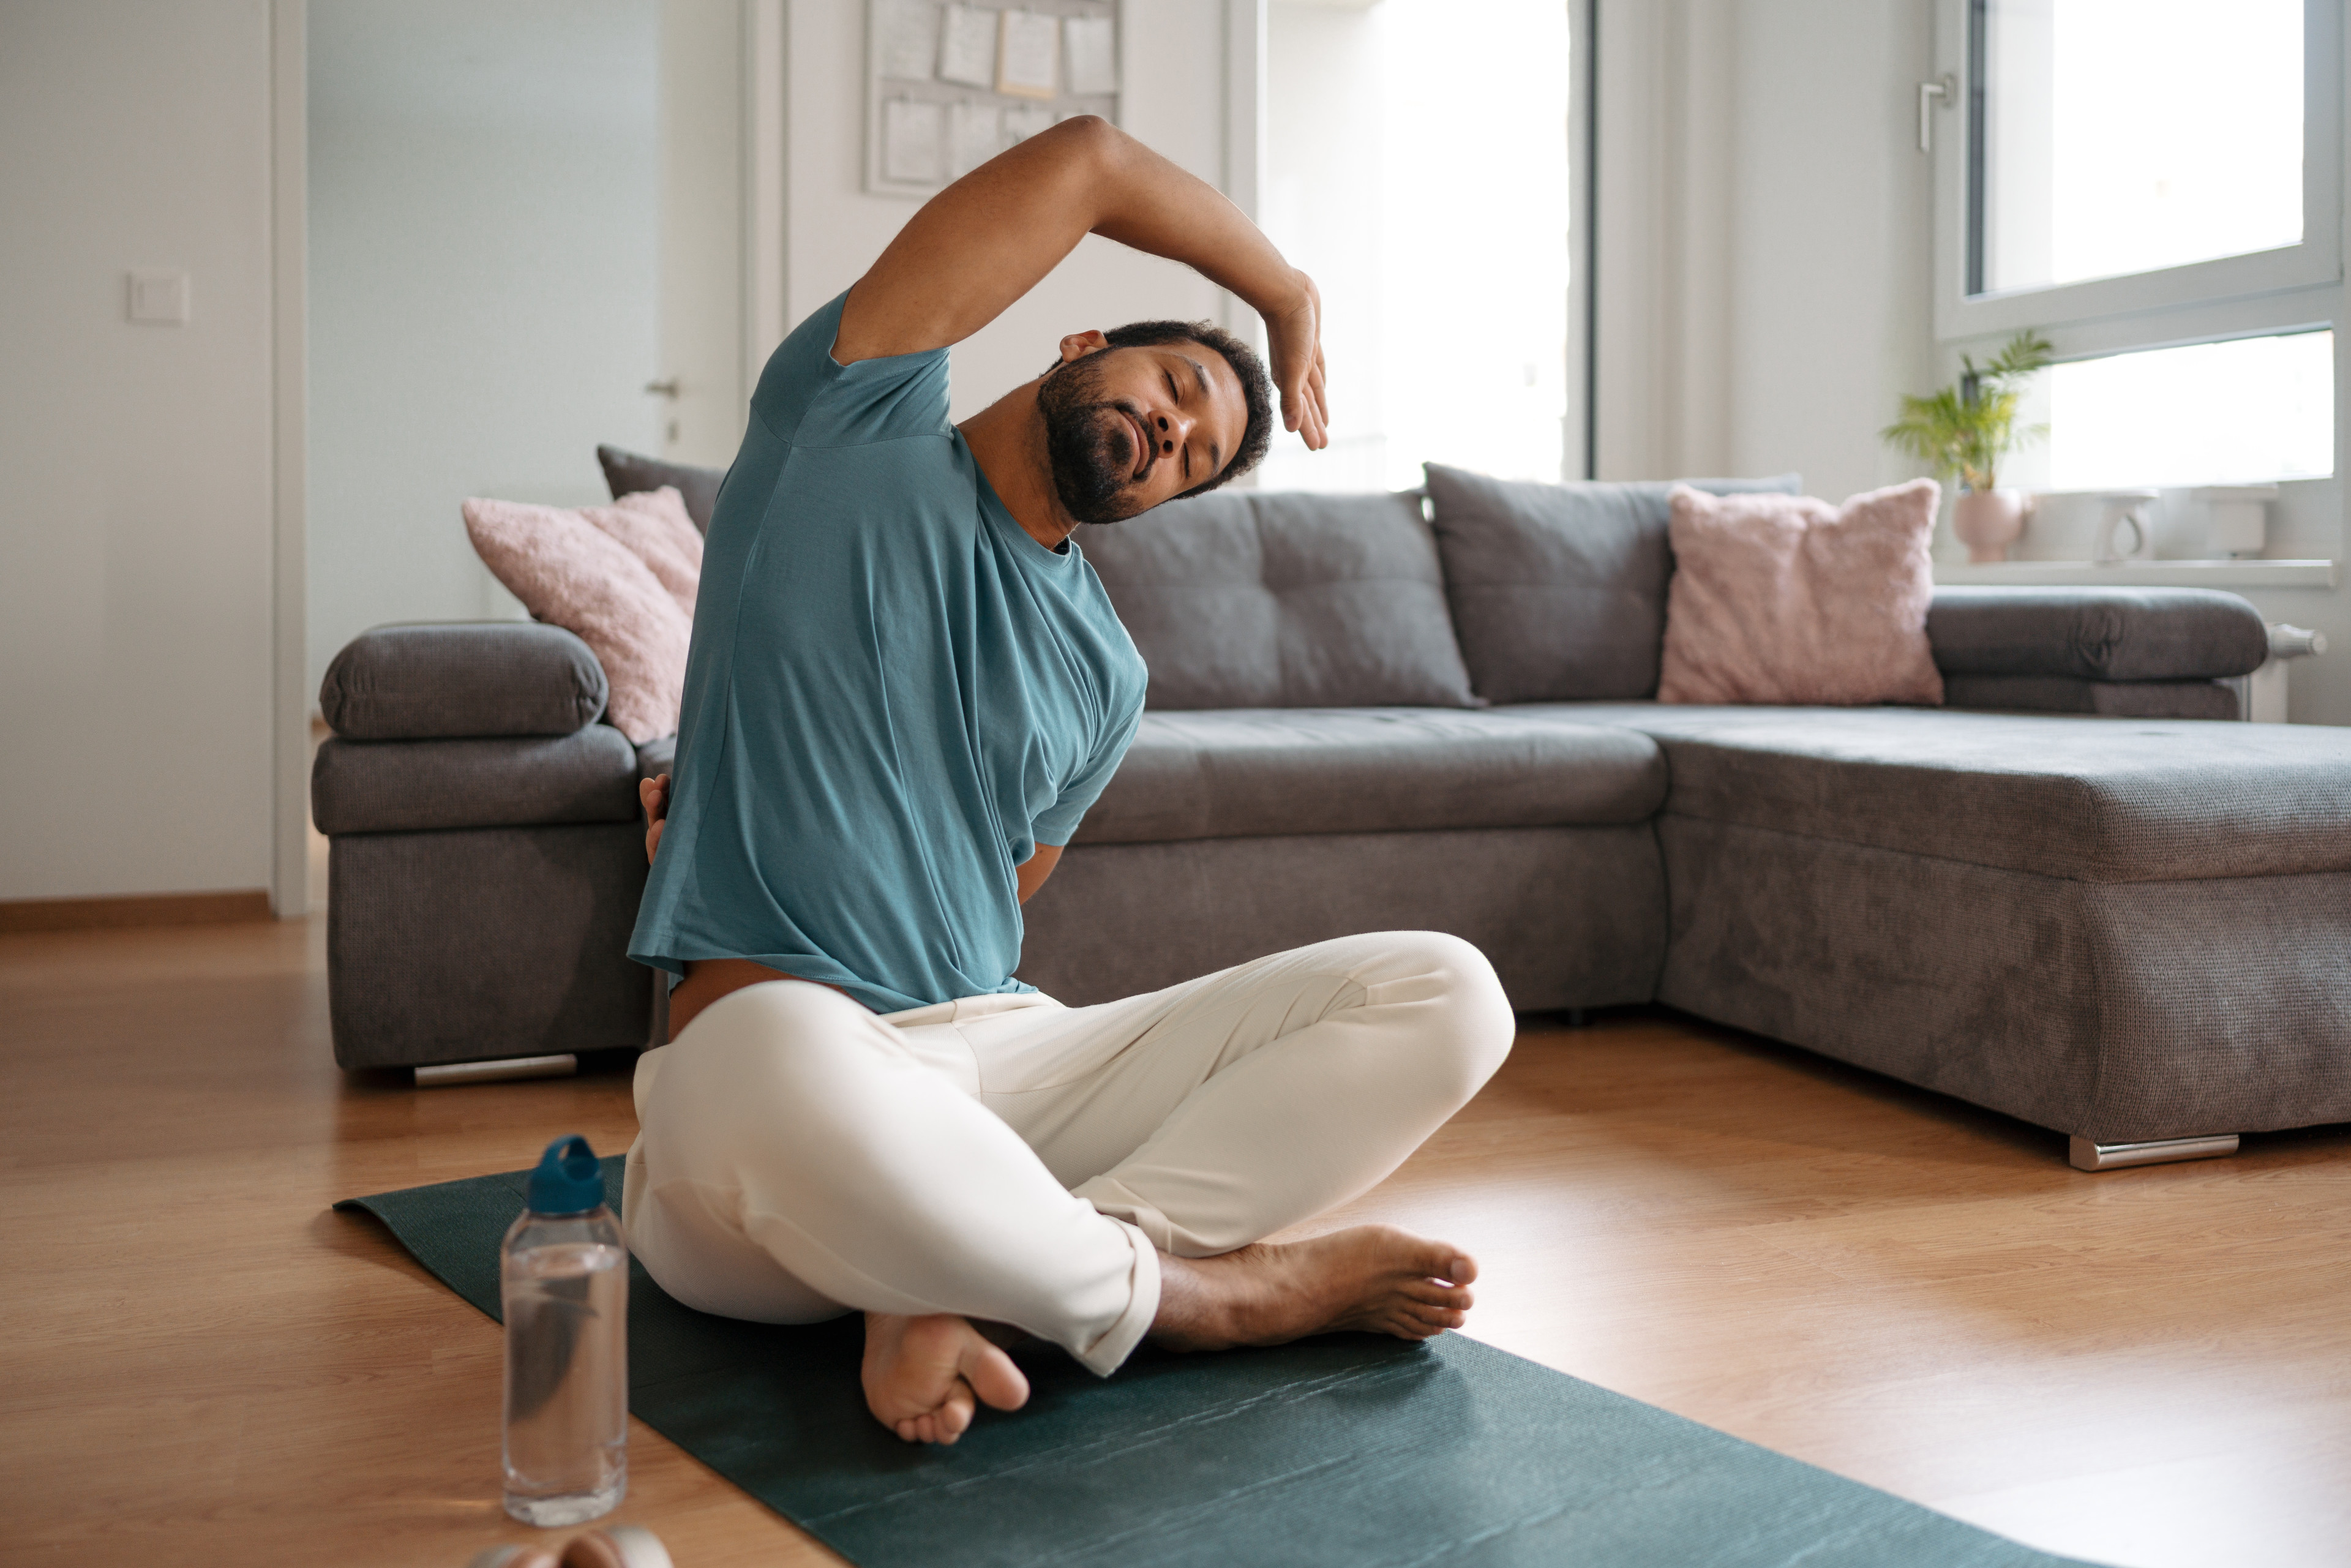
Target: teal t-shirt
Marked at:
894, 695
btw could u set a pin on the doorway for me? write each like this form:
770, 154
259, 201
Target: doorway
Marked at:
525, 239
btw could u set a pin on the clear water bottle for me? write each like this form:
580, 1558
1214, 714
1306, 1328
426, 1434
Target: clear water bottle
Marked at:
564, 1281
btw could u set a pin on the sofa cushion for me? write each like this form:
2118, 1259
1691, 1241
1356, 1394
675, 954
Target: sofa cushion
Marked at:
1247, 599
383, 787
447, 681
1558, 590
629, 473
2115, 699
1786, 598
1254, 773
652, 526
655, 757
570, 573
2096, 634
2093, 800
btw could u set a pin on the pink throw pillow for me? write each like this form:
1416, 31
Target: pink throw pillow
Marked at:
655, 528
1785, 599
570, 573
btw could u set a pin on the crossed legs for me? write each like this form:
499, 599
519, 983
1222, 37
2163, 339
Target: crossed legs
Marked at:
1084, 1174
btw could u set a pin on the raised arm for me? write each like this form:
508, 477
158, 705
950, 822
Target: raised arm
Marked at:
993, 235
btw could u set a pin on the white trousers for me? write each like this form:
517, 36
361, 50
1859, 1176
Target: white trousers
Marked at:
1011, 1159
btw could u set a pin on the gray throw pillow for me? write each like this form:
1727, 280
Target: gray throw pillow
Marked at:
1271, 599
1558, 590
627, 473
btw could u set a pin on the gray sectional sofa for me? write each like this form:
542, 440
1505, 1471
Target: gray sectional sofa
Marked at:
2080, 894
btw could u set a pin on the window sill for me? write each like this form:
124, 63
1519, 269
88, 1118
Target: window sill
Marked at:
2229, 574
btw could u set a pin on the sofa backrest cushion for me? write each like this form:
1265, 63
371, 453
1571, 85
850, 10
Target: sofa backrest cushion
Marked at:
1271, 599
631, 474
1558, 592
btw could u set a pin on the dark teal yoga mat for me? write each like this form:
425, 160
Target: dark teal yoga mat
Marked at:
1349, 1450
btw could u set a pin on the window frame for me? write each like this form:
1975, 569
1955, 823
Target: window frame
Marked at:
2255, 295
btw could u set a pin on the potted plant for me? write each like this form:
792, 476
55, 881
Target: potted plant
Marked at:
1962, 432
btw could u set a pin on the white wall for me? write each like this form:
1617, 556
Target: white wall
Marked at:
1764, 275
135, 521
484, 229
1829, 262
1173, 99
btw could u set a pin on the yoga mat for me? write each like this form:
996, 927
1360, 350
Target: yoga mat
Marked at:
1352, 1449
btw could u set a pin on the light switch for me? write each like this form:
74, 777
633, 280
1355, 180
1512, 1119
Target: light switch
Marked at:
160, 297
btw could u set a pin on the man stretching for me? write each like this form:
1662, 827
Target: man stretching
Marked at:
906, 686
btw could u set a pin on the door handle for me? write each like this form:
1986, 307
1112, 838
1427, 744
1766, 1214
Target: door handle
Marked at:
667, 388
1947, 89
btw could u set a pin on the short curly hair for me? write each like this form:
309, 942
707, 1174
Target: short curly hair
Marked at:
1257, 387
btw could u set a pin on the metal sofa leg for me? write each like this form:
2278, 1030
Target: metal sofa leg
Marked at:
2086, 1155
441, 1075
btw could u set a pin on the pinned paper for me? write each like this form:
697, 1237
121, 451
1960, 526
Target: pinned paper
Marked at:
975, 134
967, 46
1028, 56
909, 142
1022, 123
910, 38
1090, 43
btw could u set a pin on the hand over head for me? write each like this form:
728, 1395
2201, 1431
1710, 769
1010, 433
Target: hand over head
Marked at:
1294, 339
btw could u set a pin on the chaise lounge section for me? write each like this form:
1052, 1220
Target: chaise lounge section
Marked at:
2106, 909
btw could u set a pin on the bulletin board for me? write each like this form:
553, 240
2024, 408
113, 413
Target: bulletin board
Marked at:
948, 85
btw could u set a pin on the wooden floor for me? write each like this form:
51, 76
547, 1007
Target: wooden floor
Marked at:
201, 1363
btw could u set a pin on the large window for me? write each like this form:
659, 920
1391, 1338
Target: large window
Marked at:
2123, 136
2156, 186
1417, 164
2244, 411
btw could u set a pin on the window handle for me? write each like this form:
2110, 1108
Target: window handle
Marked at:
1947, 89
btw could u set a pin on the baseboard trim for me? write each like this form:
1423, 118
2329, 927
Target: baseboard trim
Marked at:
118, 913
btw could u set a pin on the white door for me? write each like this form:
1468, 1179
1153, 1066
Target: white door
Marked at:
701, 217
523, 214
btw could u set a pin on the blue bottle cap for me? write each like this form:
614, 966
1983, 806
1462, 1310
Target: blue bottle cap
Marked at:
569, 1178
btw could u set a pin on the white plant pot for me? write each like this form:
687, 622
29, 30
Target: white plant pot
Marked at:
1989, 521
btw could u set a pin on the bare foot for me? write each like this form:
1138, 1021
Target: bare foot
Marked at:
923, 1377
1371, 1277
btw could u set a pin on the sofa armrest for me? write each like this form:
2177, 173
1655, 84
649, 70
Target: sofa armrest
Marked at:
2096, 633
419, 786
462, 680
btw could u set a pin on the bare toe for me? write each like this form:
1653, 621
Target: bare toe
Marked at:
953, 1414
993, 1376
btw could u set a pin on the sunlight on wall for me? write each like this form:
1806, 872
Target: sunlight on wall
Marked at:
1418, 167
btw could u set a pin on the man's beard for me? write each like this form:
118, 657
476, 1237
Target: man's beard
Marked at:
1090, 448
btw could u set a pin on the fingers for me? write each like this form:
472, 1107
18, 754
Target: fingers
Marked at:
1306, 406
654, 795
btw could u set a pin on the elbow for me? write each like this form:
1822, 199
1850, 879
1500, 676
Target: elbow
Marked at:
1087, 142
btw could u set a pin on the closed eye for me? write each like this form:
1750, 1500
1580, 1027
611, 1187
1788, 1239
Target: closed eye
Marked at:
1176, 394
